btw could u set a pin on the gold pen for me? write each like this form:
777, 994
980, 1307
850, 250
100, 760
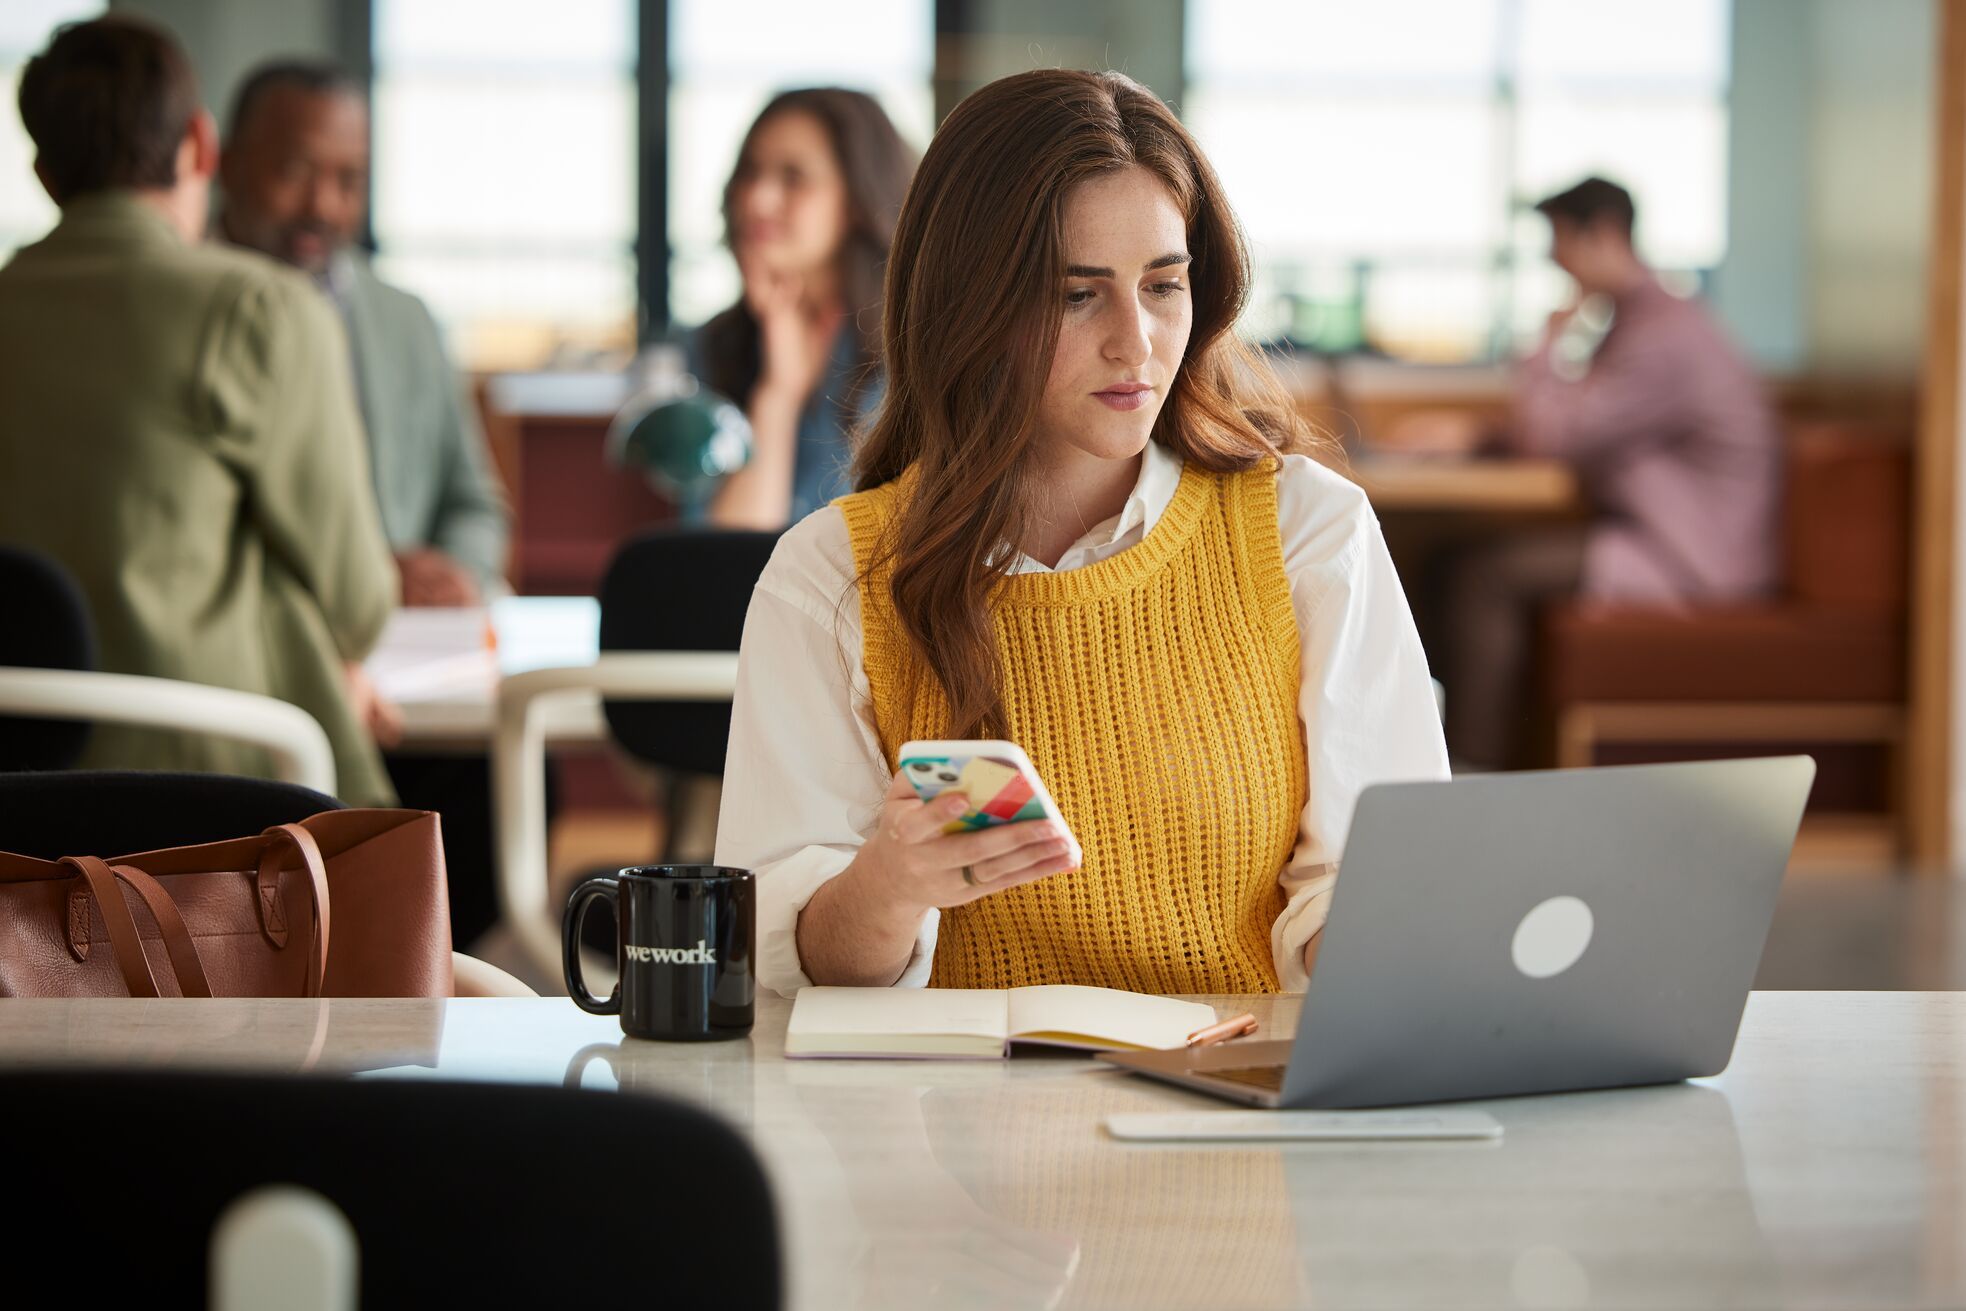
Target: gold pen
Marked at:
1234, 1027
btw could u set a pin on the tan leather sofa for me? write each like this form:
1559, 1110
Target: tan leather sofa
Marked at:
1821, 667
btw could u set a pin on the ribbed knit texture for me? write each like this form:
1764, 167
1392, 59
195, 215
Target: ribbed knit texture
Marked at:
1156, 692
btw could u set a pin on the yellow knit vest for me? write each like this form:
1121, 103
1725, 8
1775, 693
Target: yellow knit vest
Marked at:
1156, 692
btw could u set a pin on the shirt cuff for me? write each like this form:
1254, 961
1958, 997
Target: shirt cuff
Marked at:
1302, 918
784, 888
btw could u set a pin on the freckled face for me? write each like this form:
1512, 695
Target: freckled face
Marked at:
1127, 316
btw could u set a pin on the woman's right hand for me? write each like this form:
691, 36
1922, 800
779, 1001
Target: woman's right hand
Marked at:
795, 338
911, 865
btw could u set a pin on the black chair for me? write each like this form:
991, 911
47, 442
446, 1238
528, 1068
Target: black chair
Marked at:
675, 589
115, 812
48, 668
668, 591
46, 626
679, 590
585, 1199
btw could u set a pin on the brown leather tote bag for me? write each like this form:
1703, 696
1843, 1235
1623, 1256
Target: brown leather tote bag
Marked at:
346, 903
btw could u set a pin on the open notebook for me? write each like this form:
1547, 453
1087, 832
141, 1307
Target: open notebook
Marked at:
982, 1023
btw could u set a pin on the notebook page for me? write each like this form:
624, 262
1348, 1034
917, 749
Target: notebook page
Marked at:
887, 1020
1074, 1016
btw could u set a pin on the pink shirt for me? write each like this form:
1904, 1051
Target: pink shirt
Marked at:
1676, 448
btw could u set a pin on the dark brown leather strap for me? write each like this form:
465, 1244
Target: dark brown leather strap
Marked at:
123, 939
190, 970
280, 839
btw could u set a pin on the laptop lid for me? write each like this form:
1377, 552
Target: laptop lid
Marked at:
1533, 932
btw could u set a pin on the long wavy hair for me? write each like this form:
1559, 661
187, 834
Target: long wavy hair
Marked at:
968, 348
876, 163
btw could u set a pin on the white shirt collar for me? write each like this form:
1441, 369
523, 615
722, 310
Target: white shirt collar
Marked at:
1153, 491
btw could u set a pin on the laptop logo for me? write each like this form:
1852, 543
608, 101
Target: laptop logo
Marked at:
1552, 937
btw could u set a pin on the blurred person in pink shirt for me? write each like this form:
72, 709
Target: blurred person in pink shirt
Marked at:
1675, 449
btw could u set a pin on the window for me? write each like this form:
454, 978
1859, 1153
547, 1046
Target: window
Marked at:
1383, 156
505, 173
506, 156
727, 58
26, 213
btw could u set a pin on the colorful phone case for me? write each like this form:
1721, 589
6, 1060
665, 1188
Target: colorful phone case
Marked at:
1000, 789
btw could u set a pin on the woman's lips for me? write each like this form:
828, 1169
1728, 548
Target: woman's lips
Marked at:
1125, 396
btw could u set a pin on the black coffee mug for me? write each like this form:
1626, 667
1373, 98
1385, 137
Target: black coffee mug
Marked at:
685, 939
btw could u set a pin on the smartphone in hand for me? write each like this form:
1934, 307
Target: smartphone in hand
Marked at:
997, 779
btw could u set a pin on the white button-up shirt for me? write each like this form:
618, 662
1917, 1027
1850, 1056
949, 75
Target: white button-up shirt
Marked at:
805, 777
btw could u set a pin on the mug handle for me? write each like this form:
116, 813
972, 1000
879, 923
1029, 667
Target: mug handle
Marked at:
598, 886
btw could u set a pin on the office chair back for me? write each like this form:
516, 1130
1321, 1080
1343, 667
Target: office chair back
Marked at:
117, 812
47, 627
461, 1195
679, 590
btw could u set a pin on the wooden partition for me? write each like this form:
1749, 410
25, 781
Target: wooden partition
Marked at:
1931, 765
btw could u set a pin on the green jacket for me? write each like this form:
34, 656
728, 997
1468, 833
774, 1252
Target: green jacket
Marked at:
178, 428
432, 478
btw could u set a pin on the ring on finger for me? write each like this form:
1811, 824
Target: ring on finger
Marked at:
969, 876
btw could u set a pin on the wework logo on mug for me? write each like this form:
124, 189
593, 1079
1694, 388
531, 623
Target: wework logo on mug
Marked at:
697, 955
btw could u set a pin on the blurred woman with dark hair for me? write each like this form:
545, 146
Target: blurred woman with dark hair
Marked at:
809, 213
1083, 523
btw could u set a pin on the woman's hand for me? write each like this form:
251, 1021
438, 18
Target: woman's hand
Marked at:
795, 339
911, 865
859, 928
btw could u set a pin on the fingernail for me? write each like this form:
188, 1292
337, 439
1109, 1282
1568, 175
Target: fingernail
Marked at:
954, 805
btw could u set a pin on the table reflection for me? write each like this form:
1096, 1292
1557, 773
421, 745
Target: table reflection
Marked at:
723, 1086
1566, 1211
1016, 1197
271, 1035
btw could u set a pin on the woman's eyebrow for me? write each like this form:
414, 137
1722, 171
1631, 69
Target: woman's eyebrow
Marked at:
1091, 271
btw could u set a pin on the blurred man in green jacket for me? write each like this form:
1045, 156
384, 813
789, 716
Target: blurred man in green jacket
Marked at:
295, 173
177, 423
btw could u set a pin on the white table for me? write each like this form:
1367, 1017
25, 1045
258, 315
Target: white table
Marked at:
511, 681
1826, 1168
442, 668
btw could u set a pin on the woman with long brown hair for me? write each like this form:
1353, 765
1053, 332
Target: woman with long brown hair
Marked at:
808, 213
1084, 523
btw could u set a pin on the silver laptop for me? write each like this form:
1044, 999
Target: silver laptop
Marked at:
1501, 934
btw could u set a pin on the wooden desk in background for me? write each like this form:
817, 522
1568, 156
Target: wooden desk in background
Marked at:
1826, 1167
572, 509
1492, 487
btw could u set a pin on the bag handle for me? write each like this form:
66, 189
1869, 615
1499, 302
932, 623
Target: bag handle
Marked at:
101, 880
183, 952
98, 879
272, 911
